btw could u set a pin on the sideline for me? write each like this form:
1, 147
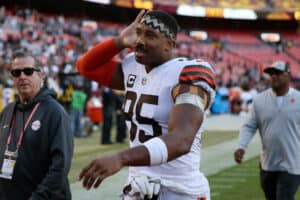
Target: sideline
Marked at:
214, 159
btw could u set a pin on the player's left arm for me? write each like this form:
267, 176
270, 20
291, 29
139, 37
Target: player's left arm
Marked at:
192, 96
185, 120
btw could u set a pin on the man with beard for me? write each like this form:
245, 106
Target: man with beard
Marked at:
164, 108
276, 114
36, 144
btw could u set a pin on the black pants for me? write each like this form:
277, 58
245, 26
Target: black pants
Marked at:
112, 106
120, 120
279, 185
108, 112
121, 126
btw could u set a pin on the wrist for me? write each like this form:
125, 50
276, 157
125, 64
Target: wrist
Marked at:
158, 151
124, 158
135, 156
118, 43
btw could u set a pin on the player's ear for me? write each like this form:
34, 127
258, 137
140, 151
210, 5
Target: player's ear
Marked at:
170, 44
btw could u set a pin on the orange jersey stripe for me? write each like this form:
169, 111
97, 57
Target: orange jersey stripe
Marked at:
198, 69
193, 78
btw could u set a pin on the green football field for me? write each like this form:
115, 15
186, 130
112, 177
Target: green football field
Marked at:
239, 182
228, 181
85, 149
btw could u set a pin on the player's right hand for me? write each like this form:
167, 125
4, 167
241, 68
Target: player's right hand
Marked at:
99, 169
239, 155
128, 36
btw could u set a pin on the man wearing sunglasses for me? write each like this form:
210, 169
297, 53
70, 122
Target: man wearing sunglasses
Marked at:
276, 114
36, 146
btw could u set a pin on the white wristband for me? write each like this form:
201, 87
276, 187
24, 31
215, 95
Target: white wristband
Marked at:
158, 151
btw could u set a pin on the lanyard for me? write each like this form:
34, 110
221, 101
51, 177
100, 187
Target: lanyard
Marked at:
24, 128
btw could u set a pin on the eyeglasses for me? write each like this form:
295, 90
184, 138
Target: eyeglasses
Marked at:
28, 71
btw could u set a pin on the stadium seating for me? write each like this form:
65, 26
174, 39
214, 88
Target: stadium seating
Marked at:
248, 37
286, 5
232, 53
279, 5
249, 4
265, 55
294, 51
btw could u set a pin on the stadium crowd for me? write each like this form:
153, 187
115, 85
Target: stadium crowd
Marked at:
57, 41
287, 5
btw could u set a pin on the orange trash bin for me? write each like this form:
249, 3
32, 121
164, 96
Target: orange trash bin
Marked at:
94, 110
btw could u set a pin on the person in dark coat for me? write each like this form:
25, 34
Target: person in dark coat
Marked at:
36, 146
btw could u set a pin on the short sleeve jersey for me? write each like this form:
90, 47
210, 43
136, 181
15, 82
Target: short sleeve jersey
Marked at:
148, 104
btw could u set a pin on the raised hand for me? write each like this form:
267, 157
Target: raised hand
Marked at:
128, 35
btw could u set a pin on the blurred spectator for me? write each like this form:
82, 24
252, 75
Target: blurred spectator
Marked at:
120, 118
247, 94
235, 100
108, 99
109, 105
66, 97
8, 95
221, 101
94, 109
112, 109
77, 111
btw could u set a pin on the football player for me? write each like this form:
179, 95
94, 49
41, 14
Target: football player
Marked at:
165, 103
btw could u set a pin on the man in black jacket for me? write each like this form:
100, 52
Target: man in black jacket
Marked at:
36, 145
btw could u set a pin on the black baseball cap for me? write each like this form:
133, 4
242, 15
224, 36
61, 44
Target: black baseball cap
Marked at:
278, 66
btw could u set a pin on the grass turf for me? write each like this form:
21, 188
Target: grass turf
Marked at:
88, 148
235, 183
238, 183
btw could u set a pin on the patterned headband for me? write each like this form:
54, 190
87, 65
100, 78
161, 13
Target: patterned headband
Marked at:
156, 24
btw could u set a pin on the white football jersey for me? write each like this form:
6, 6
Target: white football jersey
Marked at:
147, 107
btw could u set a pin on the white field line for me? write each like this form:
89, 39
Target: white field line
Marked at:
219, 157
239, 174
230, 180
222, 186
213, 194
